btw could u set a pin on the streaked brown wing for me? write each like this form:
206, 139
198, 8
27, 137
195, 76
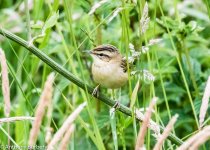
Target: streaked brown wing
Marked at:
124, 65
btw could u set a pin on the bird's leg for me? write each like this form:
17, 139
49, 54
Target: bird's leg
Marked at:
96, 91
117, 103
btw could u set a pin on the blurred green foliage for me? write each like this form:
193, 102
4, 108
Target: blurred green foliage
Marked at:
62, 29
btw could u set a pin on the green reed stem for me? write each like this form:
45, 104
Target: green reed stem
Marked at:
192, 76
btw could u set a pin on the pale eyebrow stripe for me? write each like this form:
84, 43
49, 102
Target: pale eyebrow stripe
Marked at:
109, 48
108, 53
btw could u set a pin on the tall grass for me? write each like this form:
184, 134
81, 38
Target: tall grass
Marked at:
57, 32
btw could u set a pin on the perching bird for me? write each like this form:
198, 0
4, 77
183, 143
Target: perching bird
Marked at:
109, 69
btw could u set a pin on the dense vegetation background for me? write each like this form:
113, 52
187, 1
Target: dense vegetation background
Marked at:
180, 62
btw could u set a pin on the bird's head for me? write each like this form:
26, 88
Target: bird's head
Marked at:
105, 53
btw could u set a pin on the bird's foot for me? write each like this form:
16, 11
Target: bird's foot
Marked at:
96, 91
115, 107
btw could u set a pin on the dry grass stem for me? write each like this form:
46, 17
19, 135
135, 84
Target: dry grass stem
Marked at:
48, 135
65, 140
205, 136
143, 130
5, 83
19, 118
152, 125
165, 133
115, 13
59, 134
49, 130
44, 102
134, 94
144, 22
205, 101
188, 143
154, 41
96, 6
30, 5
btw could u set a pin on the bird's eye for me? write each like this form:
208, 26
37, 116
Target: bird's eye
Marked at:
101, 54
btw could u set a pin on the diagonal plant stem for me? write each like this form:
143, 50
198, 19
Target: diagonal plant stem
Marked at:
68, 75
17, 118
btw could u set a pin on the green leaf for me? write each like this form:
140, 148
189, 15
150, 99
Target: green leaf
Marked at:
134, 94
168, 69
113, 126
37, 25
51, 21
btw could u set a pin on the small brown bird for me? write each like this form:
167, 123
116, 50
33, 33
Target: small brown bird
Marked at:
109, 69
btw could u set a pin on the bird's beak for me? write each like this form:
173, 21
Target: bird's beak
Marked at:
87, 52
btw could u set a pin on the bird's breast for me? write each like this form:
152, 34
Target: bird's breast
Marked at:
109, 75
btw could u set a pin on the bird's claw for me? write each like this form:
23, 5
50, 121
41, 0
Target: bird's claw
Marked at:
96, 91
116, 105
